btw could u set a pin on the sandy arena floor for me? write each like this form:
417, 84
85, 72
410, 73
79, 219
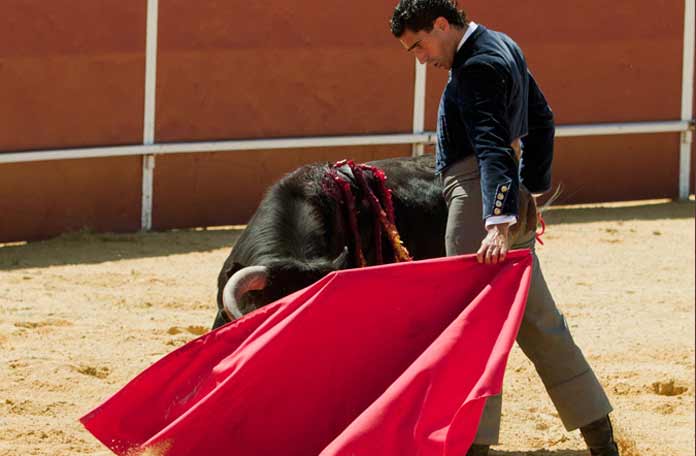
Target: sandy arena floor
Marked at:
82, 314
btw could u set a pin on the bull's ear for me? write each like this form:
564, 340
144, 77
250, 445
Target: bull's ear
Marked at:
341, 261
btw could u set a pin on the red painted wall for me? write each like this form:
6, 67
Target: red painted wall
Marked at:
271, 69
41, 199
616, 168
72, 73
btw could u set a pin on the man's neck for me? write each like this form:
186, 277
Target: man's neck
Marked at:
459, 34
466, 31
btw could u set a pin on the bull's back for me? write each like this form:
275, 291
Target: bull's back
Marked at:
419, 207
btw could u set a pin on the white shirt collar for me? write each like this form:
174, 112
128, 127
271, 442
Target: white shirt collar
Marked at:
472, 27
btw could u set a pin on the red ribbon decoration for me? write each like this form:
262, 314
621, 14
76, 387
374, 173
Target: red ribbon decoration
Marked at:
538, 234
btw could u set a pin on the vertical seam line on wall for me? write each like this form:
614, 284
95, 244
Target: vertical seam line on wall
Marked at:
419, 106
687, 99
149, 114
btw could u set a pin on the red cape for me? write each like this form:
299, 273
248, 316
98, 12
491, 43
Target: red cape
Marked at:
387, 360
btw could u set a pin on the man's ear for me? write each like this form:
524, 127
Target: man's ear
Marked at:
441, 24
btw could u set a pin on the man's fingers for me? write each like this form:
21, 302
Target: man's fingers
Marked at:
495, 254
491, 254
495, 257
481, 253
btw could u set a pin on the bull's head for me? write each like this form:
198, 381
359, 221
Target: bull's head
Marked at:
251, 287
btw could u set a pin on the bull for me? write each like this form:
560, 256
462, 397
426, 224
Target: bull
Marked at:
299, 232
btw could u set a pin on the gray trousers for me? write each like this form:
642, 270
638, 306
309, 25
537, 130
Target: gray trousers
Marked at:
544, 336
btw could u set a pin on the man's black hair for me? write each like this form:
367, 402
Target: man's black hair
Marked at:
417, 15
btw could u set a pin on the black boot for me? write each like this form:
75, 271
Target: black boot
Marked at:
599, 437
478, 450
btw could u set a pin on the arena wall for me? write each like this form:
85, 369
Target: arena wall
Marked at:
73, 75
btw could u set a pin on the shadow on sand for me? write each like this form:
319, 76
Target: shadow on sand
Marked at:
540, 453
662, 210
91, 248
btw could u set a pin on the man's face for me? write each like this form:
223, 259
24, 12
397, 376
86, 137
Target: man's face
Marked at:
434, 47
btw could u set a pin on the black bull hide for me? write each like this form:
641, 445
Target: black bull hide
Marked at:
299, 234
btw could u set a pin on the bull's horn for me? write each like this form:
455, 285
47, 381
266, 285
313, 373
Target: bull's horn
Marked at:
242, 281
340, 261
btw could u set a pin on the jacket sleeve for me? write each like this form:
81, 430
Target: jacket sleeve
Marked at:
483, 92
535, 167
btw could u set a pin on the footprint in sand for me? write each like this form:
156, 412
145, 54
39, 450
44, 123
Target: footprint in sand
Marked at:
98, 372
665, 409
623, 389
174, 331
184, 338
195, 330
41, 324
668, 388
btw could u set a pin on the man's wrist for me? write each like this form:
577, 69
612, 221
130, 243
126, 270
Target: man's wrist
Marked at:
501, 219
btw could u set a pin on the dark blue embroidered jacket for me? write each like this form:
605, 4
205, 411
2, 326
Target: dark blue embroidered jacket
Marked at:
490, 100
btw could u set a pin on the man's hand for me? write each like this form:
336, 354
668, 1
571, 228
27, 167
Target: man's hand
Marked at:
495, 245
